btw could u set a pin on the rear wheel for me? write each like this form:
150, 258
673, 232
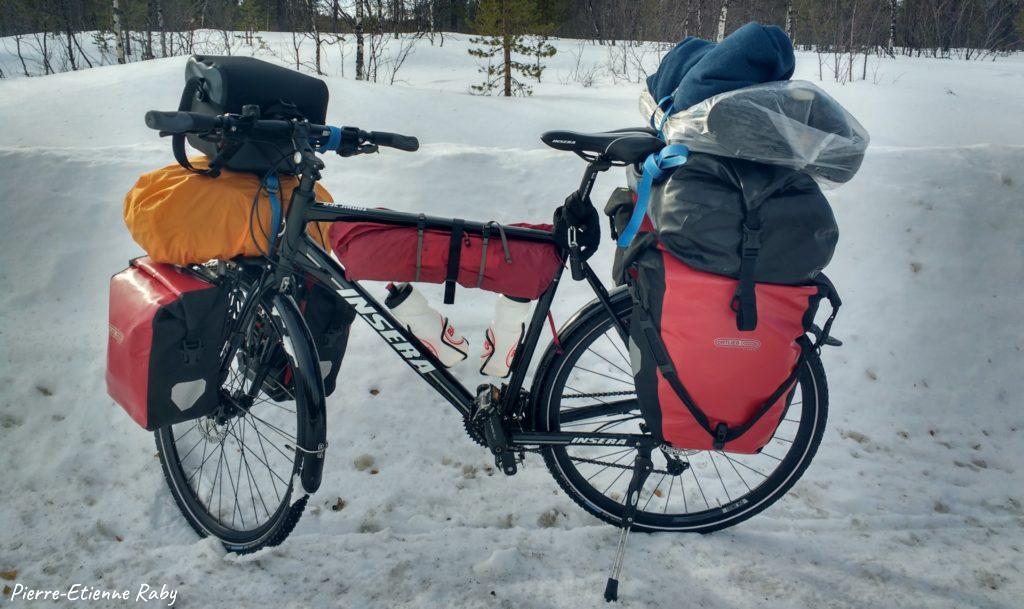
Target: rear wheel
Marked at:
689, 490
233, 473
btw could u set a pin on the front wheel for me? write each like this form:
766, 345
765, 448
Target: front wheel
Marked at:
234, 474
689, 490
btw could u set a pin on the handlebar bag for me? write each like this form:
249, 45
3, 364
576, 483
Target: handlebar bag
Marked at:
329, 319
163, 352
217, 85
490, 261
701, 383
180, 217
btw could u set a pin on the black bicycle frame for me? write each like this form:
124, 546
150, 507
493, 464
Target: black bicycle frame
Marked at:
299, 253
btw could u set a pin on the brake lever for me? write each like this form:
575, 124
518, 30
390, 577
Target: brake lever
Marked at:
350, 151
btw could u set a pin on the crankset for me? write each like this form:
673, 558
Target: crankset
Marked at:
488, 421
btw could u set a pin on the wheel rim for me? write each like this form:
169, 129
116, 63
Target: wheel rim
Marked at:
688, 489
233, 474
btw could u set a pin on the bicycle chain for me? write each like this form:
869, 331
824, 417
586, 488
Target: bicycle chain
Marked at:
629, 467
603, 394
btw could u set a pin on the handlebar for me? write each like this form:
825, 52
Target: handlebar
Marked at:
181, 122
343, 140
394, 140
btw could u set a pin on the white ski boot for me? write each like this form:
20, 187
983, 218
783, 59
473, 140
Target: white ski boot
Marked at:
504, 335
432, 329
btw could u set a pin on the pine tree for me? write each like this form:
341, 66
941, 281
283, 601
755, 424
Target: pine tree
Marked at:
504, 26
539, 49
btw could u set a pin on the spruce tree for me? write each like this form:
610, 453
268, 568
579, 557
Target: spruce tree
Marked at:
504, 26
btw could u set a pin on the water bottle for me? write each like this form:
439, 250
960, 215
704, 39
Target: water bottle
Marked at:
434, 330
504, 335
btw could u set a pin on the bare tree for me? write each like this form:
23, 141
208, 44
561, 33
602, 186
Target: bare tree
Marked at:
360, 68
790, 21
723, 17
119, 31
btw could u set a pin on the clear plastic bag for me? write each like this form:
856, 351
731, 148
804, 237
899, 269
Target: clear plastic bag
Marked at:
790, 123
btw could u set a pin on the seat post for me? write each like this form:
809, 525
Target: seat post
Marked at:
601, 163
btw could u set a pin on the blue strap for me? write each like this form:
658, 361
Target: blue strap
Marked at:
661, 106
333, 140
273, 187
664, 119
657, 167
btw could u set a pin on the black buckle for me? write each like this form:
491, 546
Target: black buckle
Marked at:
190, 351
721, 433
751, 241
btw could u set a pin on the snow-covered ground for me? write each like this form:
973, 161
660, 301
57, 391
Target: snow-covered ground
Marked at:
916, 497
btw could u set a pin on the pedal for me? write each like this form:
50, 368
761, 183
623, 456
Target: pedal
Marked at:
486, 401
489, 416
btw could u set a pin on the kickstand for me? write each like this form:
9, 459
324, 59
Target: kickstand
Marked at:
642, 467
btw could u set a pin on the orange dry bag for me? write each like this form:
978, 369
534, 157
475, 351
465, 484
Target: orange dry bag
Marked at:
181, 217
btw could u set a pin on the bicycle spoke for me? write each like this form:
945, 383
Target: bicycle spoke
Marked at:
603, 425
618, 380
271, 469
270, 402
605, 491
700, 488
612, 454
731, 460
269, 441
274, 427
616, 423
188, 431
234, 487
610, 464
202, 464
610, 363
738, 474
654, 492
617, 350
720, 479
578, 392
201, 439
216, 477
264, 451
249, 481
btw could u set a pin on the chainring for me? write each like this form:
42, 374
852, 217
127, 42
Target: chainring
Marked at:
473, 432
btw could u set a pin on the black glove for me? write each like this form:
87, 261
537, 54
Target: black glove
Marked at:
579, 213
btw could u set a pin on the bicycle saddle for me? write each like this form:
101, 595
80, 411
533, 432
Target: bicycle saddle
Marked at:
621, 145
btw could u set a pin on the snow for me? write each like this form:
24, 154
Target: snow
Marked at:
914, 500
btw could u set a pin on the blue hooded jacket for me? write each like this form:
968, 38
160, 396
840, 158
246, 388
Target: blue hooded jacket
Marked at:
697, 69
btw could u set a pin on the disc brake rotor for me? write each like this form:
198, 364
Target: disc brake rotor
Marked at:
212, 430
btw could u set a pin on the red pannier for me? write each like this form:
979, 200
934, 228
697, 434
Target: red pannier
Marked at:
491, 261
163, 353
701, 383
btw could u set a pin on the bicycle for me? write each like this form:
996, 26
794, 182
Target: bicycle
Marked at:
580, 413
